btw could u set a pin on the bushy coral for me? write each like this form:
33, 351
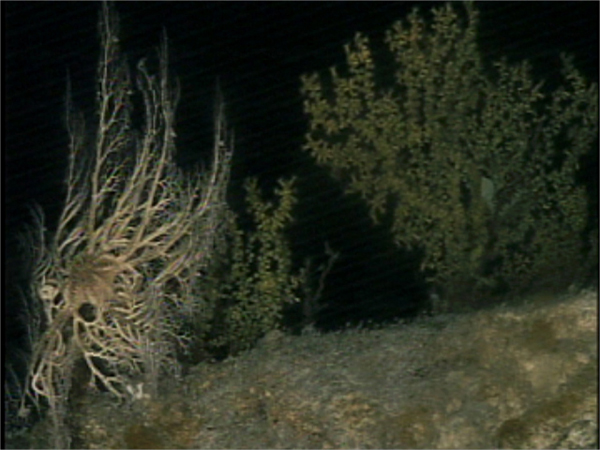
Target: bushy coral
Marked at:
477, 167
252, 280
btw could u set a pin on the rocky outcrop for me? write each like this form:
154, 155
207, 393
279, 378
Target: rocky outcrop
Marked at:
508, 377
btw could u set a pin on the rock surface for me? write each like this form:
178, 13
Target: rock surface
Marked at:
508, 377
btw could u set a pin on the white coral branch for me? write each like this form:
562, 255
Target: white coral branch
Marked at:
133, 233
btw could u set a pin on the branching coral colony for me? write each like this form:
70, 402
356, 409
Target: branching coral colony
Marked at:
133, 235
477, 168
